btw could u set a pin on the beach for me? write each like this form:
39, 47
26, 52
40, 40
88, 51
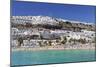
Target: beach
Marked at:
85, 47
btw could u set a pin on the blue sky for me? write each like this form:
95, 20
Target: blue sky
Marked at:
64, 11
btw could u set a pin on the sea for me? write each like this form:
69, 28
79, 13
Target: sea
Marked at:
38, 57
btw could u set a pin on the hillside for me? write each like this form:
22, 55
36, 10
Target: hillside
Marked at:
49, 23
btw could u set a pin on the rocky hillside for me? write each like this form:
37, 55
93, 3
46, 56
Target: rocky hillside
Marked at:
49, 23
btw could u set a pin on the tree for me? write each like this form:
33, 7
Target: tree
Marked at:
40, 44
83, 41
45, 43
20, 41
94, 40
49, 43
57, 41
64, 40
70, 40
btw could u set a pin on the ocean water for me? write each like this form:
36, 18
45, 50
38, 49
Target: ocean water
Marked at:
51, 56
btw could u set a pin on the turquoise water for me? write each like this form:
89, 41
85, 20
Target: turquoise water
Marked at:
51, 56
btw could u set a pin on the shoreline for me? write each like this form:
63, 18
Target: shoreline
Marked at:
46, 48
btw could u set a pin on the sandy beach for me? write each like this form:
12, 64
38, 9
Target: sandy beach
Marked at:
52, 48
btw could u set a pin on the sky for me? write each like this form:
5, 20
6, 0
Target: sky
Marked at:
84, 13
